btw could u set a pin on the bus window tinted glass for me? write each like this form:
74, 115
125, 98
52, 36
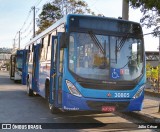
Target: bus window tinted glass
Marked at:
100, 56
86, 58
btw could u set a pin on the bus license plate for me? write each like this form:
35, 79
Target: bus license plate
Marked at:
108, 108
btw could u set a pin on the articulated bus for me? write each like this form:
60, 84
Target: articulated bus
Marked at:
18, 66
88, 63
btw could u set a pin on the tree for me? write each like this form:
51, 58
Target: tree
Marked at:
148, 70
150, 10
50, 13
152, 74
56, 9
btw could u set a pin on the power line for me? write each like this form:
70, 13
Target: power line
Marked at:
23, 30
26, 19
37, 3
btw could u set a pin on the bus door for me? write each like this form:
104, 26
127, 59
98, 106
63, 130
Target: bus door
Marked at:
24, 67
55, 73
12, 67
35, 78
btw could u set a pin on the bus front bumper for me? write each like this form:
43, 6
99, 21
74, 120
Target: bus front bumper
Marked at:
74, 103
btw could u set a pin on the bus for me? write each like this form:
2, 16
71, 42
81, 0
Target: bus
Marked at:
18, 66
88, 63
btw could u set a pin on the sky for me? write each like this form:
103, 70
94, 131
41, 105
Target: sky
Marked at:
17, 15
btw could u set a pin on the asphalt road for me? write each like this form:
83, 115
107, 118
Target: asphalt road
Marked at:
17, 107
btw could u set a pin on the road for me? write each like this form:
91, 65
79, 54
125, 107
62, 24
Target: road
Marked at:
17, 107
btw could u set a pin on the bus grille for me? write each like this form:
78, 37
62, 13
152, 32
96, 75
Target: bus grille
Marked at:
107, 86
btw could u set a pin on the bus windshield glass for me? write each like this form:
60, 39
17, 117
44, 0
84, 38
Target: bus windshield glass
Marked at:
104, 57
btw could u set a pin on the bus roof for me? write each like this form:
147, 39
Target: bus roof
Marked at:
91, 16
65, 19
48, 30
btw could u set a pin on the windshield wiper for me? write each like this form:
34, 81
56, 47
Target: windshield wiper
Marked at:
96, 41
122, 42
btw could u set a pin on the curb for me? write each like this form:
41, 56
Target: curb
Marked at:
145, 117
151, 93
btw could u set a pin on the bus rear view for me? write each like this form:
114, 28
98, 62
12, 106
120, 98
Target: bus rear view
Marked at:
105, 65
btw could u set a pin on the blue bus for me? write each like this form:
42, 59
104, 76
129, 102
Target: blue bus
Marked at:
88, 63
18, 66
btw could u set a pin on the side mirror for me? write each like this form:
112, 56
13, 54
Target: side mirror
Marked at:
64, 40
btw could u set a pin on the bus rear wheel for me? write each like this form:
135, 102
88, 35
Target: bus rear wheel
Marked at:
29, 90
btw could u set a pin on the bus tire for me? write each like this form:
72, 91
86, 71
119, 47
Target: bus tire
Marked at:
29, 90
53, 109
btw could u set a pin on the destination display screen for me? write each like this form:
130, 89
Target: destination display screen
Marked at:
104, 24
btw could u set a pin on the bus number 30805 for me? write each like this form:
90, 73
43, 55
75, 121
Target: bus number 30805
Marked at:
121, 95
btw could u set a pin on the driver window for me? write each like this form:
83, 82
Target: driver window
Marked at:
134, 51
71, 53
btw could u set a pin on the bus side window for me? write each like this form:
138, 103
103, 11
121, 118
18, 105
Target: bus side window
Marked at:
44, 49
27, 48
49, 48
71, 53
40, 50
31, 53
61, 60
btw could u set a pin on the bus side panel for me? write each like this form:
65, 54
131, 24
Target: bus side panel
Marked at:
24, 67
35, 75
44, 73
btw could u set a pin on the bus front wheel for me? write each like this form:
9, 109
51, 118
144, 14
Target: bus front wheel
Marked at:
53, 109
29, 90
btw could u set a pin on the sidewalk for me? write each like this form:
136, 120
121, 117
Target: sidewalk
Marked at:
150, 109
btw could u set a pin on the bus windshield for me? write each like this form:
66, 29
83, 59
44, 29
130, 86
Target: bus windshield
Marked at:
104, 57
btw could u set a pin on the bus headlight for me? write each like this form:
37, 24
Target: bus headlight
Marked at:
139, 92
73, 90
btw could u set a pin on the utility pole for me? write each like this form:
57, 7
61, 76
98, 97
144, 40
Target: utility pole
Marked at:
19, 39
33, 8
125, 10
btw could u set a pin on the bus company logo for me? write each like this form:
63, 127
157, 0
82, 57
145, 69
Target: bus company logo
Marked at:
109, 95
6, 126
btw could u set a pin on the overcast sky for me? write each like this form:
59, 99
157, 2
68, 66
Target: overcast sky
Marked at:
14, 13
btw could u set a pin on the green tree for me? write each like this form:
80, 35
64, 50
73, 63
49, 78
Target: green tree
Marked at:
150, 10
154, 73
50, 13
56, 9
148, 70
